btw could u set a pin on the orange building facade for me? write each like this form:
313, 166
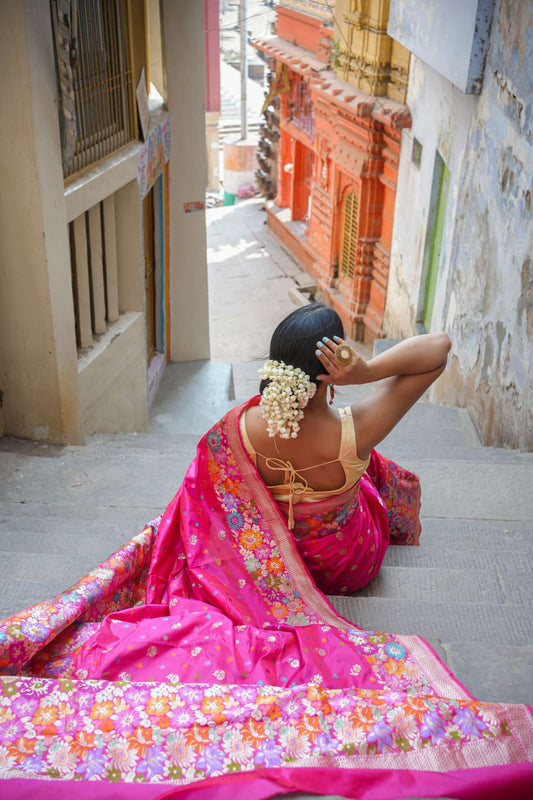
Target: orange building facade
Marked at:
339, 150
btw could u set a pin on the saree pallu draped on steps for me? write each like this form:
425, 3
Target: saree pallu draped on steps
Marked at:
220, 669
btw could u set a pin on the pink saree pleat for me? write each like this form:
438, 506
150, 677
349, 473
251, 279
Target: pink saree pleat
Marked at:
235, 662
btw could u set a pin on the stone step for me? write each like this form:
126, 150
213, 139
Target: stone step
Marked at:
448, 621
192, 396
462, 544
483, 644
398, 445
55, 525
401, 446
492, 671
465, 489
109, 477
473, 489
45, 548
481, 585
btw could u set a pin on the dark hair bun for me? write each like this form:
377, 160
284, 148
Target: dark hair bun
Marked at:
294, 340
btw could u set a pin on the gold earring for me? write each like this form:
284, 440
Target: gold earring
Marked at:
331, 394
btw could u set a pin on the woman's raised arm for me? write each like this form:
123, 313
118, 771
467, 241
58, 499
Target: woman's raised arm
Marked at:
407, 370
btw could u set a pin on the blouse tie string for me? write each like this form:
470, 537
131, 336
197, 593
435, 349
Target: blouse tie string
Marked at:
297, 485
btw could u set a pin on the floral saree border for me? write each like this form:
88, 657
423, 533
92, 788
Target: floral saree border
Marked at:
431, 666
311, 596
64, 731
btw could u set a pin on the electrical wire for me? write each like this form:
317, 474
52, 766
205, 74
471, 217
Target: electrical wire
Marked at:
231, 25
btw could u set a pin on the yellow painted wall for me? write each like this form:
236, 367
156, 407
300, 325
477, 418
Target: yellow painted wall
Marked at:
367, 57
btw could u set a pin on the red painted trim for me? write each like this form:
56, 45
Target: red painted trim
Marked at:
212, 55
299, 28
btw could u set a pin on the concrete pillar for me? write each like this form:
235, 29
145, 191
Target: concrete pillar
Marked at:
184, 56
38, 359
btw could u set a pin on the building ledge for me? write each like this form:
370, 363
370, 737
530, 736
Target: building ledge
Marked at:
103, 179
326, 85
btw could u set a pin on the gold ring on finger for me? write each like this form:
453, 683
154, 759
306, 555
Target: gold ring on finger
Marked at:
343, 354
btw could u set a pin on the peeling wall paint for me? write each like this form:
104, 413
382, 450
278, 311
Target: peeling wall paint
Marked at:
484, 294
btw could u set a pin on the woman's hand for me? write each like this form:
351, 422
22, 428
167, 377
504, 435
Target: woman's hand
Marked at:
355, 372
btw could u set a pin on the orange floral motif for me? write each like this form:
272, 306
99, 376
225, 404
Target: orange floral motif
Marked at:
279, 610
229, 486
45, 715
362, 718
265, 699
251, 538
316, 693
83, 742
310, 727
214, 707
22, 748
6, 715
273, 712
254, 732
101, 710
394, 667
141, 739
198, 736
416, 706
157, 706
275, 565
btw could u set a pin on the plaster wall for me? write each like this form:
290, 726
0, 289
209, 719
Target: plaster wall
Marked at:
112, 378
448, 35
484, 295
38, 360
441, 119
184, 53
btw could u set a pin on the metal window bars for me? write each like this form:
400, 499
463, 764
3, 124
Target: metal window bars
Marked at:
102, 79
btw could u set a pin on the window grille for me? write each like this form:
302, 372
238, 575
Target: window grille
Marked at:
301, 106
102, 79
349, 235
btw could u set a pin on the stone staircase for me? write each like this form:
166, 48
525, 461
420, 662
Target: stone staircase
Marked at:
467, 588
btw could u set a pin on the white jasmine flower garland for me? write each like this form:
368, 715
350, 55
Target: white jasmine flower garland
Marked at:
285, 397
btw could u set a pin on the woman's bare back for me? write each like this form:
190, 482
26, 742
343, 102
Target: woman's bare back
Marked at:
318, 442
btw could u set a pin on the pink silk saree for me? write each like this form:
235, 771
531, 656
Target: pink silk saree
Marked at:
201, 660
